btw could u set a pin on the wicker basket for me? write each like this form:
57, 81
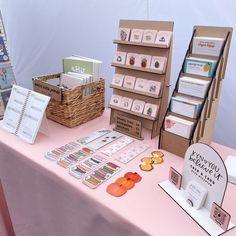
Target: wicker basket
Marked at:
69, 106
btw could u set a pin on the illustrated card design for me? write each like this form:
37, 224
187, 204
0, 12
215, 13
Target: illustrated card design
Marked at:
136, 35
120, 57
132, 59
3, 51
138, 106
5, 96
115, 100
144, 61
129, 82
141, 85
117, 80
126, 103
150, 110
153, 87
124, 34
163, 38
175, 177
158, 63
2, 107
149, 36
7, 78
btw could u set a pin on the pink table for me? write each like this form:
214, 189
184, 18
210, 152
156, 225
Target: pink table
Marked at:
43, 199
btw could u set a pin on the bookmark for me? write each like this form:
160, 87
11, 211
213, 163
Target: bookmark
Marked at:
118, 145
91, 137
112, 136
131, 153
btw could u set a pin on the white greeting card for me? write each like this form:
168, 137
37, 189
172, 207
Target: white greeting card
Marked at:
158, 63
117, 79
150, 110
126, 103
120, 57
115, 100
132, 59
163, 38
153, 87
129, 82
136, 35
123, 34
144, 61
138, 106
149, 36
141, 85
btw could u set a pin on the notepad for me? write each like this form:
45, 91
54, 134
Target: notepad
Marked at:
24, 113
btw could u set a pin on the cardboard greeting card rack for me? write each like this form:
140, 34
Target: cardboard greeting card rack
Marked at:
143, 58
191, 113
202, 189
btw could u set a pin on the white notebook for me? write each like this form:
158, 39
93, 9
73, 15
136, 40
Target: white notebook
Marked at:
24, 113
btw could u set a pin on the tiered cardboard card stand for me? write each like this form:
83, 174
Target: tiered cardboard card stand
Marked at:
148, 122
204, 123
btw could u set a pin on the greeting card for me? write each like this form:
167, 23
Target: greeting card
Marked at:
115, 100
144, 61
126, 103
136, 35
163, 38
138, 106
158, 63
124, 34
117, 79
153, 87
150, 110
149, 36
129, 82
132, 59
141, 85
120, 57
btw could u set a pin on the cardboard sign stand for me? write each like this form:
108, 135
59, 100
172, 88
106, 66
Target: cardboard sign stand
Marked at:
204, 123
203, 165
151, 123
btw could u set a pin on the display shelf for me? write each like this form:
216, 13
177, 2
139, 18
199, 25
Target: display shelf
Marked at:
204, 124
151, 49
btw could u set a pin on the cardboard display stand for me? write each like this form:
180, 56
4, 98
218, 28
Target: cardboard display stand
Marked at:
204, 122
203, 165
151, 49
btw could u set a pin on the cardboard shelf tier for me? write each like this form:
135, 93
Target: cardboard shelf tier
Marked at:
153, 45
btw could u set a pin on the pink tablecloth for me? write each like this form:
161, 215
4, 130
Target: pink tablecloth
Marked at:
43, 199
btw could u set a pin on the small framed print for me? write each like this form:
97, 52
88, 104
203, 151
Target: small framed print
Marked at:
138, 106
132, 59
163, 38
141, 85
158, 63
150, 110
126, 103
153, 87
117, 80
136, 35
175, 177
220, 216
120, 57
144, 61
115, 100
129, 82
124, 34
149, 36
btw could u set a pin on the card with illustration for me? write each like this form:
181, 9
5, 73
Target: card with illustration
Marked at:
120, 57
115, 100
138, 106
144, 61
117, 80
141, 85
175, 177
163, 38
7, 78
149, 36
153, 87
129, 82
132, 59
136, 35
158, 63
5, 94
126, 103
3, 51
124, 34
2, 107
150, 110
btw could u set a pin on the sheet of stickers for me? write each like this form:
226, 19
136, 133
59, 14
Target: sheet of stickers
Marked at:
88, 157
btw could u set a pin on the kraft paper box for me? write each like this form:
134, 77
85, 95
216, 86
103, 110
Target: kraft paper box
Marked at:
193, 87
178, 126
199, 66
207, 46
